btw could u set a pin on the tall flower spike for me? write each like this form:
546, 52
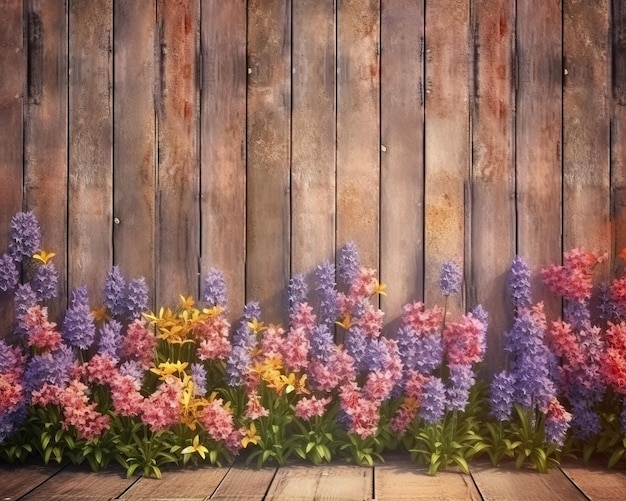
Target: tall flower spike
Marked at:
348, 264
9, 276
450, 279
79, 329
519, 284
214, 292
45, 281
296, 292
136, 300
114, 291
326, 288
25, 237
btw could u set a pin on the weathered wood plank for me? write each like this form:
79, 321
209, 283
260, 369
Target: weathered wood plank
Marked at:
505, 483
597, 481
492, 244
336, 482
11, 129
134, 153
400, 479
188, 485
586, 129
178, 208
46, 134
79, 484
358, 127
244, 483
90, 191
268, 210
16, 481
313, 137
538, 140
618, 132
447, 142
402, 156
223, 145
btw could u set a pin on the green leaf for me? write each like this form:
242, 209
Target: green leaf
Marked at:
615, 457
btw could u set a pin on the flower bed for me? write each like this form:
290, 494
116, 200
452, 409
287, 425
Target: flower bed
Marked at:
181, 386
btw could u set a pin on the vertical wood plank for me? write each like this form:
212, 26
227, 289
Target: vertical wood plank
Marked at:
358, 127
223, 144
46, 135
134, 152
269, 101
178, 208
402, 157
493, 167
90, 147
618, 131
586, 129
313, 137
11, 126
447, 141
538, 140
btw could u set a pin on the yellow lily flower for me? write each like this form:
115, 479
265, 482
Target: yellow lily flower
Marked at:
196, 447
43, 256
101, 313
346, 323
379, 288
187, 302
166, 369
256, 326
250, 437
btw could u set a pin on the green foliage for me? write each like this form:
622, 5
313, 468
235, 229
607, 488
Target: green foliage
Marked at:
316, 437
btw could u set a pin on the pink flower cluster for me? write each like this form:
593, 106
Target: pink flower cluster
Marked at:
78, 413
42, 333
614, 357
421, 320
464, 341
573, 280
310, 407
212, 335
139, 343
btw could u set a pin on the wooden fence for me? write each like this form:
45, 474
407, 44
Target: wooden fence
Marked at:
258, 137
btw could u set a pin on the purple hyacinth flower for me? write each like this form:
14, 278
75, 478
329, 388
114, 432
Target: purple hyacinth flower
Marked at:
136, 299
114, 292
45, 282
79, 329
25, 238
450, 279
502, 395
349, 263
110, 339
9, 274
214, 292
462, 378
433, 401
519, 284
296, 292
199, 378
326, 288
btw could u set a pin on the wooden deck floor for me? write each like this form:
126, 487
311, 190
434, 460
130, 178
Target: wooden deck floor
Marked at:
397, 479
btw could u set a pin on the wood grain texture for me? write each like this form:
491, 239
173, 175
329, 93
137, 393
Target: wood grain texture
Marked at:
493, 168
18, 480
223, 145
268, 210
400, 479
178, 207
134, 152
358, 127
402, 155
244, 483
339, 482
505, 483
46, 134
12, 86
618, 133
447, 143
313, 135
586, 129
538, 141
78, 484
191, 484
90, 186
596, 481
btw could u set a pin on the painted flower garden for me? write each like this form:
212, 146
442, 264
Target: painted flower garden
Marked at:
181, 385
